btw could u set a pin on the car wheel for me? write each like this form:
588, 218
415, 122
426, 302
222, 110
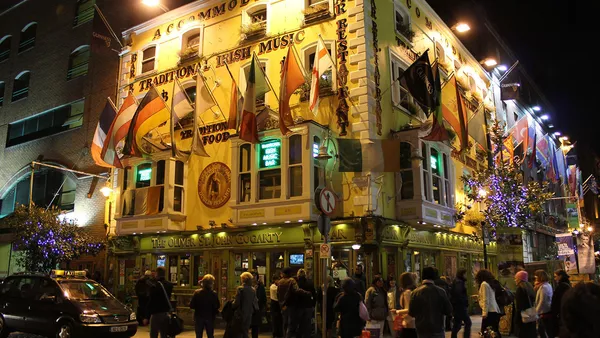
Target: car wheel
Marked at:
64, 330
4, 332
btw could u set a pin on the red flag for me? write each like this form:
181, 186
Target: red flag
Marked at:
291, 79
533, 152
118, 131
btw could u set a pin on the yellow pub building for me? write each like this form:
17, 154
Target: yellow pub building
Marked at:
252, 207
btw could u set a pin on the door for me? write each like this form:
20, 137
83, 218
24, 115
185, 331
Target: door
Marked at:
15, 304
47, 305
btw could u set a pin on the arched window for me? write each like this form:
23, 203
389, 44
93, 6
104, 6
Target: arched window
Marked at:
5, 47
148, 59
50, 187
27, 40
84, 12
78, 62
190, 44
327, 81
21, 86
1, 93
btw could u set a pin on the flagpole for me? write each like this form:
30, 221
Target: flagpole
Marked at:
212, 97
266, 78
333, 62
295, 51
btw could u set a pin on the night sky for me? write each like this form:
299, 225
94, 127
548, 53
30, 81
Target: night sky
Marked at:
539, 32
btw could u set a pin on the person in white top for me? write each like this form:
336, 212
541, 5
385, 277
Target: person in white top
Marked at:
490, 311
408, 284
276, 317
543, 302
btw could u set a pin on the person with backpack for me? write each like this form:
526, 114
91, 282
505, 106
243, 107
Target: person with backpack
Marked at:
205, 304
490, 310
377, 304
460, 304
562, 286
159, 304
543, 301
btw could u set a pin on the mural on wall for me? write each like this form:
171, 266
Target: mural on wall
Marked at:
214, 185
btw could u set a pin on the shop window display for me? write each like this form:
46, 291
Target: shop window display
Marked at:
199, 269
184, 270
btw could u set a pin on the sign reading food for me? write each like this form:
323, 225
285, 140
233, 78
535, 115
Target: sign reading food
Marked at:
214, 185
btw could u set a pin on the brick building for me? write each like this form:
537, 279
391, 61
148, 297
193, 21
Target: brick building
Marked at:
58, 64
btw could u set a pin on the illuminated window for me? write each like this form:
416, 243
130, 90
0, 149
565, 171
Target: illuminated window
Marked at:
85, 12
295, 165
269, 169
78, 62
400, 95
21, 86
317, 165
148, 59
405, 183
27, 40
426, 172
5, 47
143, 175
438, 184
245, 174
179, 188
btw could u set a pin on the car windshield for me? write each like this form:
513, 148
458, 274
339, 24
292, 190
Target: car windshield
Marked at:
84, 290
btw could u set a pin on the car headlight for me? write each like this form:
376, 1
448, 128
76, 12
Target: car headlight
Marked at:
132, 316
90, 318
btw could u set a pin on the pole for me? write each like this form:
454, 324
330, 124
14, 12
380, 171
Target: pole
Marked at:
324, 300
31, 186
485, 255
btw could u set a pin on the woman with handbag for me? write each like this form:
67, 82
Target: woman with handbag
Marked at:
377, 305
244, 305
490, 311
408, 283
348, 306
525, 312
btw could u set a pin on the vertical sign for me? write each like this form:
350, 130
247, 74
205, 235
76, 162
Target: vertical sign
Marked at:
566, 252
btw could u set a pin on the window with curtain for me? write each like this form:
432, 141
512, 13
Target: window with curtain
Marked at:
78, 62
5, 47
27, 40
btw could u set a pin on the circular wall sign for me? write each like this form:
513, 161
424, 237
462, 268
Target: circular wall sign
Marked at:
214, 185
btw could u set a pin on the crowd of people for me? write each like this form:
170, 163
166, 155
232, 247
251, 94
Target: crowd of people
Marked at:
405, 308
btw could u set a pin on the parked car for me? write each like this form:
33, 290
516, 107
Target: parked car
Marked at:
63, 305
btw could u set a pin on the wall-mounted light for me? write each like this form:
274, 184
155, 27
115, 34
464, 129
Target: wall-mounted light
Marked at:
461, 27
545, 117
502, 68
356, 246
106, 190
489, 62
536, 108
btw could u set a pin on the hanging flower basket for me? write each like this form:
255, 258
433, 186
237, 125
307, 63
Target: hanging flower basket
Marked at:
316, 13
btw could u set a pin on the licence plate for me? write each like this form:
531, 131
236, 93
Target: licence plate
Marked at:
118, 329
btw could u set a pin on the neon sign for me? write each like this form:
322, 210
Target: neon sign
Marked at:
270, 154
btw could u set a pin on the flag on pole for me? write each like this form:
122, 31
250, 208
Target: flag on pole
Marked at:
151, 112
118, 131
533, 156
101, 135
369, 155
542, 150
291, 79
520, 132
180, 108
321, 64
463, 118
438, 130
477, 126
204, 101
418, 78
256, 85
235, 107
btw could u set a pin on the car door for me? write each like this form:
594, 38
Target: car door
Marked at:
47, 305
15, 304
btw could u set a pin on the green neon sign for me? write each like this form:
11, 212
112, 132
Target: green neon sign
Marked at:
270, 154
434, 162
145, 175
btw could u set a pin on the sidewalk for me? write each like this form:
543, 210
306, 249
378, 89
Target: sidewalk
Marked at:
189, 331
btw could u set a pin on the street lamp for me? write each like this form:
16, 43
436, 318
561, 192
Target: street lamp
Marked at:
106, 190
155, 3
489, 62
461, 27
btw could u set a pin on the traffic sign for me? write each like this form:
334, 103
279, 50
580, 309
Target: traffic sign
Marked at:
327, 201
325, 251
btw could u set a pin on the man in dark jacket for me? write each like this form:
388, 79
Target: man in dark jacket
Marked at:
306, 305
159, 304
142, 291
563, 284
288, 294
428, 305
360, 280
460, 303
205, 304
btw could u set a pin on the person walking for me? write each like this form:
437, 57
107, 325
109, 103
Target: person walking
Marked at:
332, 294
276, 318
245, 304
261, 296
428, 305
563, 284
460, 304
408, 283
306, 305
205, 304
490, 311
159, 304
347, 305
543, 302
288, 294
142, 291
580, 310
377, 305
444, 283
393, 299
524, 299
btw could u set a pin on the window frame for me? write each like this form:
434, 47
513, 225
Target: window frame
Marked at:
5, 55
243, 82
247, 15
87, 14
279, 167
445, 177
291, 166
76, 71
29, 43
22, 93
140, 59
400, 8
398, 92
2, 92
242, 192
310, 49
184, 38
409, 169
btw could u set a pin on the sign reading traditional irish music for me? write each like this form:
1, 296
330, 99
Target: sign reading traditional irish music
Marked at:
270, 154
214, 185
